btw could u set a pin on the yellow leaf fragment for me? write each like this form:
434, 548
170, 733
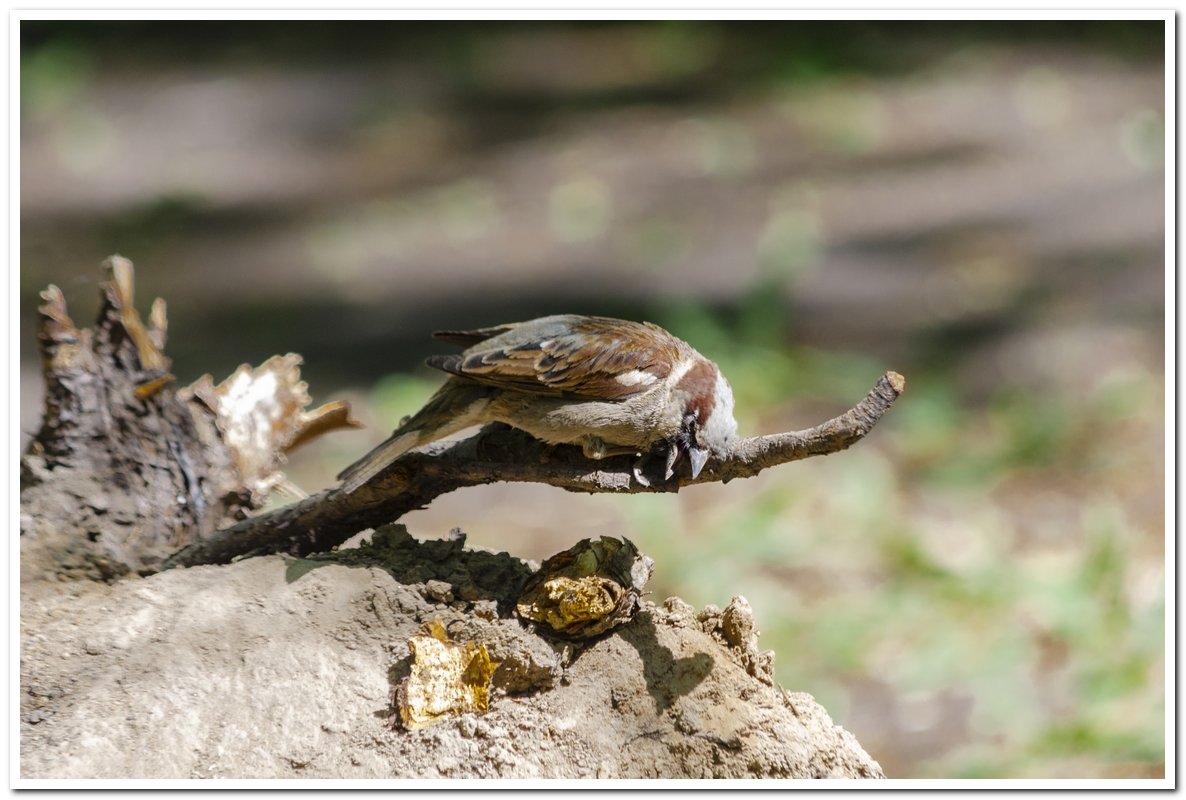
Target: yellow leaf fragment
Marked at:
562, 602
436, 629
447, 679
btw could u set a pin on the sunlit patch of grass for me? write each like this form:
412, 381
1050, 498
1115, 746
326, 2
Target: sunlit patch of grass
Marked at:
1078, 737
953, 443
1031, 429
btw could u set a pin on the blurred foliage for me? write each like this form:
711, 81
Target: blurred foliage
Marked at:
787, 50
666, 61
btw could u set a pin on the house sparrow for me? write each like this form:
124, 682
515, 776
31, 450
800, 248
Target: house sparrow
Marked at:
611, 386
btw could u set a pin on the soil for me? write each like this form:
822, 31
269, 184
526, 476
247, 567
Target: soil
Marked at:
275, 667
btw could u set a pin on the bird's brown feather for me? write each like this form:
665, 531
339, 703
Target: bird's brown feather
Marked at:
583, 359
472, 337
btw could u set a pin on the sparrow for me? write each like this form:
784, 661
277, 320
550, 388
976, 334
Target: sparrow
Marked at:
611, 386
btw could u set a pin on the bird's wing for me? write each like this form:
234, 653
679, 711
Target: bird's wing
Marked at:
592, 358
470, 338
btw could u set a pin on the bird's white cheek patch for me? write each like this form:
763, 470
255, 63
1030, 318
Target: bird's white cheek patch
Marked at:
636, 377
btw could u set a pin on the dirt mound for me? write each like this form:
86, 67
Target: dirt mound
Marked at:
278, 667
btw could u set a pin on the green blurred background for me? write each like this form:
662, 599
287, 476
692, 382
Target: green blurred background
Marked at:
977, 589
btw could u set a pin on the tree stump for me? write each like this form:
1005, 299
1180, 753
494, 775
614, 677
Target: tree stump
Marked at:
127, 467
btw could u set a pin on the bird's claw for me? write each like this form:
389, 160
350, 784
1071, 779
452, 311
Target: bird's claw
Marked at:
637, 470
673, 454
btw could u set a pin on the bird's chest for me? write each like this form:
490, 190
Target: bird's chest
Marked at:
633, 422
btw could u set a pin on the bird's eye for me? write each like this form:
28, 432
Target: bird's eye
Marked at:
690, 419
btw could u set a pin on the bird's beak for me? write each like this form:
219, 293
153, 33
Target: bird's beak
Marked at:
697, 457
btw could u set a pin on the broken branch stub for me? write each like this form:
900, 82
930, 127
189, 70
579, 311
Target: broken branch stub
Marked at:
127, 466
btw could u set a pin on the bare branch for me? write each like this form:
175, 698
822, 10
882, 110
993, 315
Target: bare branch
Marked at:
499, 453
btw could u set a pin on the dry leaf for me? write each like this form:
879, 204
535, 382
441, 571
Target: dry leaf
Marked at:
447, 679
588, 589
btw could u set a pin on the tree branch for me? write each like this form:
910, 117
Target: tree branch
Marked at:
500, 453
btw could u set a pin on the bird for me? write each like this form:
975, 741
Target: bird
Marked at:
610, 386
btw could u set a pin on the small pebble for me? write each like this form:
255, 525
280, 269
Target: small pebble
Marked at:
438, 591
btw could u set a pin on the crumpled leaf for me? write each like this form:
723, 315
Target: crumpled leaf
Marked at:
447, 679
588, 589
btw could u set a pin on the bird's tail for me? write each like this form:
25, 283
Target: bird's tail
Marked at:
378, 459
456, 406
